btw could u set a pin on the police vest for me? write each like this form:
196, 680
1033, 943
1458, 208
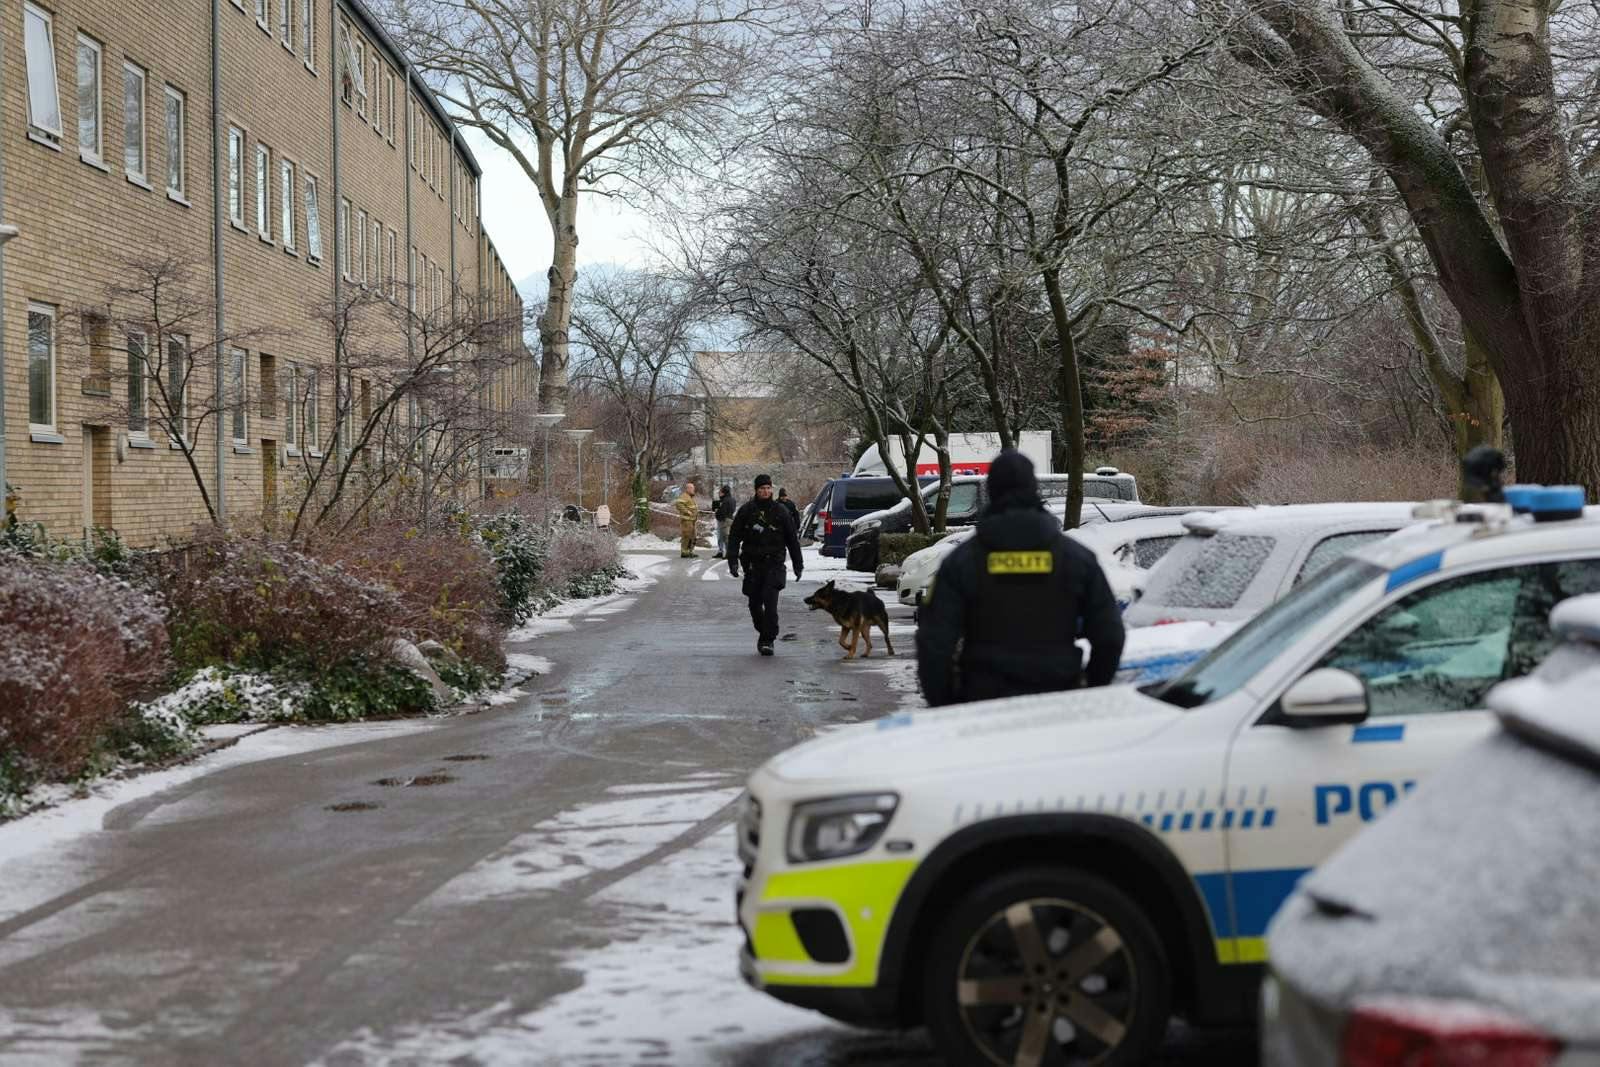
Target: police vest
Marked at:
1024, 601
763, 536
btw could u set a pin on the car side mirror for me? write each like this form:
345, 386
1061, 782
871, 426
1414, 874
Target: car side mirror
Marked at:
1327, 696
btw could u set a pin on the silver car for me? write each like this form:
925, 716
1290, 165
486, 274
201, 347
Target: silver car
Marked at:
1463, 927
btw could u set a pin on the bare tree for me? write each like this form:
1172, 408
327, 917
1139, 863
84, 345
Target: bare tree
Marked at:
634, 332
588, 96
1509, 93
153, 356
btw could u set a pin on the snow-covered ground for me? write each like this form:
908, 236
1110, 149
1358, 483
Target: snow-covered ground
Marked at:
662, 987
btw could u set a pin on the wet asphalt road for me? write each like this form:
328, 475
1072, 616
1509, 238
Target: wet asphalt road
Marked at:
295, 911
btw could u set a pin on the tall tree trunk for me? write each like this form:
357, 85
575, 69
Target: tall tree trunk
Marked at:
1071, 393
1480, 414
641, 498
1555, 420
555, 323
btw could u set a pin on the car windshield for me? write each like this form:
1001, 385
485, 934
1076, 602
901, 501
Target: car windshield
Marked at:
1236, 660
1214, 575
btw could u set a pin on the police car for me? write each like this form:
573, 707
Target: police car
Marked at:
1047, 879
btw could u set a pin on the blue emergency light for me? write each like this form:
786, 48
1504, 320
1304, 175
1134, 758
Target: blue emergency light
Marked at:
1547, 503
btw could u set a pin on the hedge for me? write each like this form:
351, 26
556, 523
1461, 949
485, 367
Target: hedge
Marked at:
894, 548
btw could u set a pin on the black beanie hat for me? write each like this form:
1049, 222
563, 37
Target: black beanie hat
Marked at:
1011, 476
763, 479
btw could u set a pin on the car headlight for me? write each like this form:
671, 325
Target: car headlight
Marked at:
841, 826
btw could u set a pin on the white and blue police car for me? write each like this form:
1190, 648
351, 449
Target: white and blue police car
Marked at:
1048, 879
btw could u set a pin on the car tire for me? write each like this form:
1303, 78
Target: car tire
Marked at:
1046, 966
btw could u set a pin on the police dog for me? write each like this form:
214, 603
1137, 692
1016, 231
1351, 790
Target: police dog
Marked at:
856, 614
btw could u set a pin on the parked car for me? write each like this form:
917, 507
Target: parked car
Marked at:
1232, 564
1110, 520
1061, 873
843, 500
969, 497
1464, 927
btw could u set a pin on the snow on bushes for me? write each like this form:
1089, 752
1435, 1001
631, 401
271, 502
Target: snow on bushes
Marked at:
76, 648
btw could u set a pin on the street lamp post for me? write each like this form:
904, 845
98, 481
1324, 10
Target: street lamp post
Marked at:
545, 420
579, 435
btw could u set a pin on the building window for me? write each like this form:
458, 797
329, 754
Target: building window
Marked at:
388, 121
361, 246
178, 384
177, 143
264, 191
411, 280
41, 367
268, 386
44, 98
263, 12
375, 250
344, 237
89, 100
238, 414
133, 122
394, 261
292, 397
286, 202
360, 66
138, 385
286, 23
308, 31
236, 175
313, 416
313, 220
377, 89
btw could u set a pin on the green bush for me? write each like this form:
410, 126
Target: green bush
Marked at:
894, 548
366, 689
519, 549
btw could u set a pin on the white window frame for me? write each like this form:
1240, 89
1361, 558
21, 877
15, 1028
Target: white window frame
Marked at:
286, 199
286, 24
291, 439
308, 33
411, 281
263, 191
360, 249
313, 218
50, 313
394, 262
178, 151
95, 153
264, 14
138, 349
238, 386
41, 70
236, 176
177, 369
311, 426
376, 252
139, 176
344, 237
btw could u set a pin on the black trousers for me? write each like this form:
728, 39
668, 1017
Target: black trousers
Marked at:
761, 588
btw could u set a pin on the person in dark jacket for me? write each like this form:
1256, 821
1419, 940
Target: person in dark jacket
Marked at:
723, 512
794, 512
1004, 613
762, 531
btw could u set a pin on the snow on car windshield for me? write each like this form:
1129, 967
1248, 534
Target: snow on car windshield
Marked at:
1214, 576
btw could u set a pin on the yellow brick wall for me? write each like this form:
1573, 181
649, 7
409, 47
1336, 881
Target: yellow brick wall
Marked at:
81, 223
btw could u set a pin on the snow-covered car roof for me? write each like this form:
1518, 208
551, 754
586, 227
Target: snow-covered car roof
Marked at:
1280, 517
1505, 835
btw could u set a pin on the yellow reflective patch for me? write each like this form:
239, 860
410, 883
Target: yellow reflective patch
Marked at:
864, 893
1021, 562
1241, 950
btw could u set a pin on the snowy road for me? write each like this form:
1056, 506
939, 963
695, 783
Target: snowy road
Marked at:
546, 882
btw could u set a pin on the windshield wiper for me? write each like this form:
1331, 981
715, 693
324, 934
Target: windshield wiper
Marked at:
1180, 693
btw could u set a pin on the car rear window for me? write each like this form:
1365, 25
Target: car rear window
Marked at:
1147, 551
869, 496
1331, 548
1093, 489
1215, 575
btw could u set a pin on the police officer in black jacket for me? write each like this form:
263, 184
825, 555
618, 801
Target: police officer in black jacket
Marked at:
1006, 608
762, 531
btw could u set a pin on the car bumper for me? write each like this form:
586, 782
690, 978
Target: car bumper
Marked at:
1295, 1030
871, 1006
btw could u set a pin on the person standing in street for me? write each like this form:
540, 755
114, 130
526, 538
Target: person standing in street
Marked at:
1004, 613
794, 512
761, 533
688, 516
723, 512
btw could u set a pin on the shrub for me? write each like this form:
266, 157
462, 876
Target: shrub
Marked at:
76, 648
365, 688
259, 604
894, 548
576, 551
518, 547
445, 583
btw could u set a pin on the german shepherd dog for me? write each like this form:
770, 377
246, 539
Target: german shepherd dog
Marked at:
856, 614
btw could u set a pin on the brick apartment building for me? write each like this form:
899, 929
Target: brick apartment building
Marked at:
288, 158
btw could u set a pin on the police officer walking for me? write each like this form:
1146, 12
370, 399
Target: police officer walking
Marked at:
723, 511
762, 531
1004, 613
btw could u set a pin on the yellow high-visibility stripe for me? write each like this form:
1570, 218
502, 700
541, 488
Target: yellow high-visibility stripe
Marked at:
1241, 950
864, 894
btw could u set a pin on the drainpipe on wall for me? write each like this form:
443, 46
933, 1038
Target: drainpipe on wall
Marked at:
216, 253
7, 233
334, 92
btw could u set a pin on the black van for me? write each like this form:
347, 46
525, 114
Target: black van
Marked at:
843, 500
